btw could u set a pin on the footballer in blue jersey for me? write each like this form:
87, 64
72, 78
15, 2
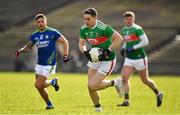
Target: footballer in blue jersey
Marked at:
46, 41
45, 38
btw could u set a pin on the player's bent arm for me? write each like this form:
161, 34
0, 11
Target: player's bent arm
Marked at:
65, 43
24, 49
27, 47
117, 40
144, 42
82, 45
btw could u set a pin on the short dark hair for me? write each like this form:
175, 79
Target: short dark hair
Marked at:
39, 16
91, 11
129, 14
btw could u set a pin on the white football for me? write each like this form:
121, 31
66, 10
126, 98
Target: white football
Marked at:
95, 53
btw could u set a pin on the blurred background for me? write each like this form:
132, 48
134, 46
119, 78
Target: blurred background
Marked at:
159, 18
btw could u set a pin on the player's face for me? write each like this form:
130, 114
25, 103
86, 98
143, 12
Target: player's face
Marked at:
128, 21
41, 23
89, 20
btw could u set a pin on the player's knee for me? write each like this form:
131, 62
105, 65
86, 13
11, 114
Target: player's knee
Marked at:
125, 79
145, 81
92, 86
38, 86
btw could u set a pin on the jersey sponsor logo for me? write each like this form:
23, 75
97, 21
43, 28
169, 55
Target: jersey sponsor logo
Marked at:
36, 38
41, 44
96, 41
131, 38
41, 37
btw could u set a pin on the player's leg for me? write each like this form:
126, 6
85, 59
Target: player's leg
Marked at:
126, 73
98, 82
104, 70
53, 82
96, 75
93, 93
47, 71
142, 67
40, 85
146, 80
42, 74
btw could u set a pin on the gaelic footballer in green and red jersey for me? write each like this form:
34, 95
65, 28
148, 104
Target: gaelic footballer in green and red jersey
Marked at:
98, 36
131, 36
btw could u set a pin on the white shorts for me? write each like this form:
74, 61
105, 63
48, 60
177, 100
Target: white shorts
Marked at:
103, 67
138, 64
45, 70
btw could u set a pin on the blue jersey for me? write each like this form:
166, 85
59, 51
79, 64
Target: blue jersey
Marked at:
46, 44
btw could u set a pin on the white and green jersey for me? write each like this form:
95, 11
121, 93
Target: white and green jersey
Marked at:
131, 36
98, 36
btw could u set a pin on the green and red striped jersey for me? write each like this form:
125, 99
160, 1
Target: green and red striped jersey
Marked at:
131, 36
98, 36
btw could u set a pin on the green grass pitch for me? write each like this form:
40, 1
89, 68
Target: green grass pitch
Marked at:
19, 96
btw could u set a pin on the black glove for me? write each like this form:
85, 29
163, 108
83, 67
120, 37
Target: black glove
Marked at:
122, 52
86, 53
105, 54
130, 49
65, 58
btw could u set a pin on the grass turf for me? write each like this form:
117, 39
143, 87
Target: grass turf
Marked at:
19, 96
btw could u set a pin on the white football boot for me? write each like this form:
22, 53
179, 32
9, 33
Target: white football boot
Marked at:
98, 109
119, 85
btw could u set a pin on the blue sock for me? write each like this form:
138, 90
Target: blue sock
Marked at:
49, 103
53, 81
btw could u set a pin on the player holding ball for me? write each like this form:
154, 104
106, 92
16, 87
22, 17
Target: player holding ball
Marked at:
107, 39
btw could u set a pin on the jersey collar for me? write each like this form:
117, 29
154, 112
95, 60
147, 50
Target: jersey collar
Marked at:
128, 27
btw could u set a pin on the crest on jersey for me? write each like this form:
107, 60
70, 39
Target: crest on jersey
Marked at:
97, 35
46, 36
86, 34
127, 32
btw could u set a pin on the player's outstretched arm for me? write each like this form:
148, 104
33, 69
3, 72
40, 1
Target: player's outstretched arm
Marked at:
24, 49
65, 43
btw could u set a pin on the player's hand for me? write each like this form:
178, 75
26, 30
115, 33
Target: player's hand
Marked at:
65, 58
18, 52
122, 52
105, 54
86, 53
130, 49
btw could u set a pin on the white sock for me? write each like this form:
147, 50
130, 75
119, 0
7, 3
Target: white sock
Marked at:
116, 83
